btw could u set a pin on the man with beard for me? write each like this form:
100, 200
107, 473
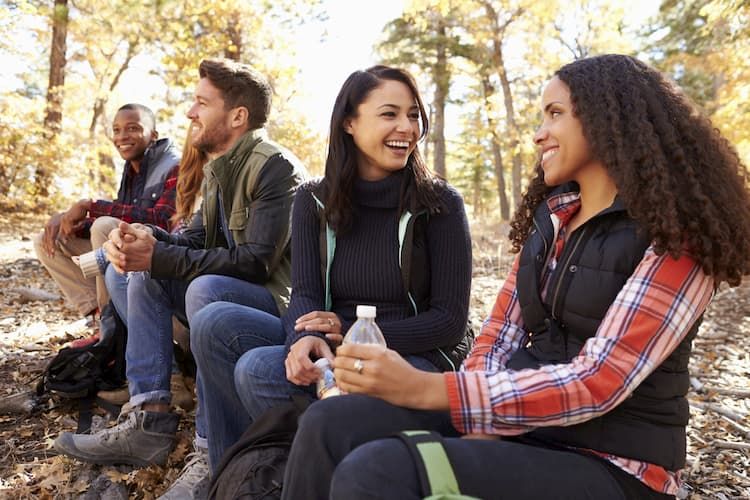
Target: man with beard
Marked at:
146, 194
236, 249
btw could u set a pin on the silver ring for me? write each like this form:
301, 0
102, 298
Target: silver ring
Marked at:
330, 322
359, 365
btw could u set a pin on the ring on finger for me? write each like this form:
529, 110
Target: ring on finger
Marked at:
359, 365
330, 322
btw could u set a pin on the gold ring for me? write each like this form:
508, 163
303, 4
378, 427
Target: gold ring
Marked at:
330, 322
359, 365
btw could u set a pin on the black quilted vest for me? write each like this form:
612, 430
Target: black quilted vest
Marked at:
596, 261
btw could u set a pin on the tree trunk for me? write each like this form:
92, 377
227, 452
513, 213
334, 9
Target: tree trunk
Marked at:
511, 124
498, 61
234, 51
442, 86
53, 115
497, 154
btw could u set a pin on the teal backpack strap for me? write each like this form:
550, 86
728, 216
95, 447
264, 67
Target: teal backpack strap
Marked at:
436, 477
327, 250
405, 245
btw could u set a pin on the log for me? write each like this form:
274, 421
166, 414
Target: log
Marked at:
27, 294
22, 402
730, 445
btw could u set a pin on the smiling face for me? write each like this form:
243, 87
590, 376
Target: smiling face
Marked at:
385, 130
132, 134
566, 154
212, 131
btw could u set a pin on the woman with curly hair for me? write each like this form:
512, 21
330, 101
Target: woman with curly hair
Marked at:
639, 210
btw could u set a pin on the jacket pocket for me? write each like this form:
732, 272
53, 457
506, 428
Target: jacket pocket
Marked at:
239, 218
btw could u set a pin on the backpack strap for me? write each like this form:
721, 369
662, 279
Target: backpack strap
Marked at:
405, 247
436, 476
327, 242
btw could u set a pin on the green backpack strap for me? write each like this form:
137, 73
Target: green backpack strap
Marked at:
436, 477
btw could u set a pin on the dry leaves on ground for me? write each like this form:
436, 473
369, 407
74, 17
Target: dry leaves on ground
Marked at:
35, 323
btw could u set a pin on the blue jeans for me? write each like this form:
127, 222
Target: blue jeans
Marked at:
220, 334
149, 305
260, 377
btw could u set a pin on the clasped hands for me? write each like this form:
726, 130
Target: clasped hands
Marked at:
130, 247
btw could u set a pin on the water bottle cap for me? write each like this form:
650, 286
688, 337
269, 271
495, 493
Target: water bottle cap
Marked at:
322, 364
366, 311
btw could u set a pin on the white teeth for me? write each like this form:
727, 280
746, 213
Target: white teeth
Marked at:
549, 154
397, 144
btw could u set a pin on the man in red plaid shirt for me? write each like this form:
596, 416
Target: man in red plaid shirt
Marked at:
147, 194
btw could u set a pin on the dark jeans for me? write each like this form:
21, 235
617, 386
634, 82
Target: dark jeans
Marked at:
348, 440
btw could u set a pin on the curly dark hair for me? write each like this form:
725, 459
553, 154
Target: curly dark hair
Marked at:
678, 177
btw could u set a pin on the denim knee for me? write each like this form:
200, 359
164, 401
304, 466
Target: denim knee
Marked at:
201, 328
199, 294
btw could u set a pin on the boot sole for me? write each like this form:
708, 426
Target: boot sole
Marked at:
98, 460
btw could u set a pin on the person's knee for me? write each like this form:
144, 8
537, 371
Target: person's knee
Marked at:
200, 293
354, 475
38, 240
201, 328
100, 229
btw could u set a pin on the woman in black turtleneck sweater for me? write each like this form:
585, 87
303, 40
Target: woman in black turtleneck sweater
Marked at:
374, 174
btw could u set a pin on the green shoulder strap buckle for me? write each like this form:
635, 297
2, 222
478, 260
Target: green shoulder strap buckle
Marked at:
436, 477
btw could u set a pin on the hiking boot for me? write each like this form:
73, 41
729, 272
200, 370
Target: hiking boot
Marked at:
181, 395
140, 438
193, 482
116, 396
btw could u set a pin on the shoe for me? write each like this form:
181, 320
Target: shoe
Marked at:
140, 438
181, 395
115, 396
193, 483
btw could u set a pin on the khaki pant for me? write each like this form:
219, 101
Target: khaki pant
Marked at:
83, 294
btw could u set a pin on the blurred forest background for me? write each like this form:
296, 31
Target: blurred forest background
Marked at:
480, 63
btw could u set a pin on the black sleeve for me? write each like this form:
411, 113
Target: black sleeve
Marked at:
444, 323
266, 230
307, 281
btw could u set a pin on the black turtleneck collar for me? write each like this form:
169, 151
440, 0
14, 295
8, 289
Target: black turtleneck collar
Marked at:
379, 194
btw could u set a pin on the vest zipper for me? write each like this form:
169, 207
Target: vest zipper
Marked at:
562, 272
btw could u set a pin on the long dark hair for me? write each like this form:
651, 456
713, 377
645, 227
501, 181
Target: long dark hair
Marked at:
419, 188
678, 177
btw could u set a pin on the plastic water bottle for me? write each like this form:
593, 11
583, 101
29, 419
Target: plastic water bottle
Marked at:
326, 384
364, 330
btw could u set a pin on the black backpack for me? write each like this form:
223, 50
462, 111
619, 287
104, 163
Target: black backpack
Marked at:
253, 468
80, 372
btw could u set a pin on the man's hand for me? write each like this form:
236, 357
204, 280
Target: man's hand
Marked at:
300, 369
129, 248
73, 219
51, 233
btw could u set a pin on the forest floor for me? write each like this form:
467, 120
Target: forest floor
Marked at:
35, 323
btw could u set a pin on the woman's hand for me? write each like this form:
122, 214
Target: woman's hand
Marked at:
300, 369
381, 372
323, 322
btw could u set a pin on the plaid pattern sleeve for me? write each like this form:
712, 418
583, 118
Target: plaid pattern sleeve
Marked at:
157, 215
502, 333
648, 319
